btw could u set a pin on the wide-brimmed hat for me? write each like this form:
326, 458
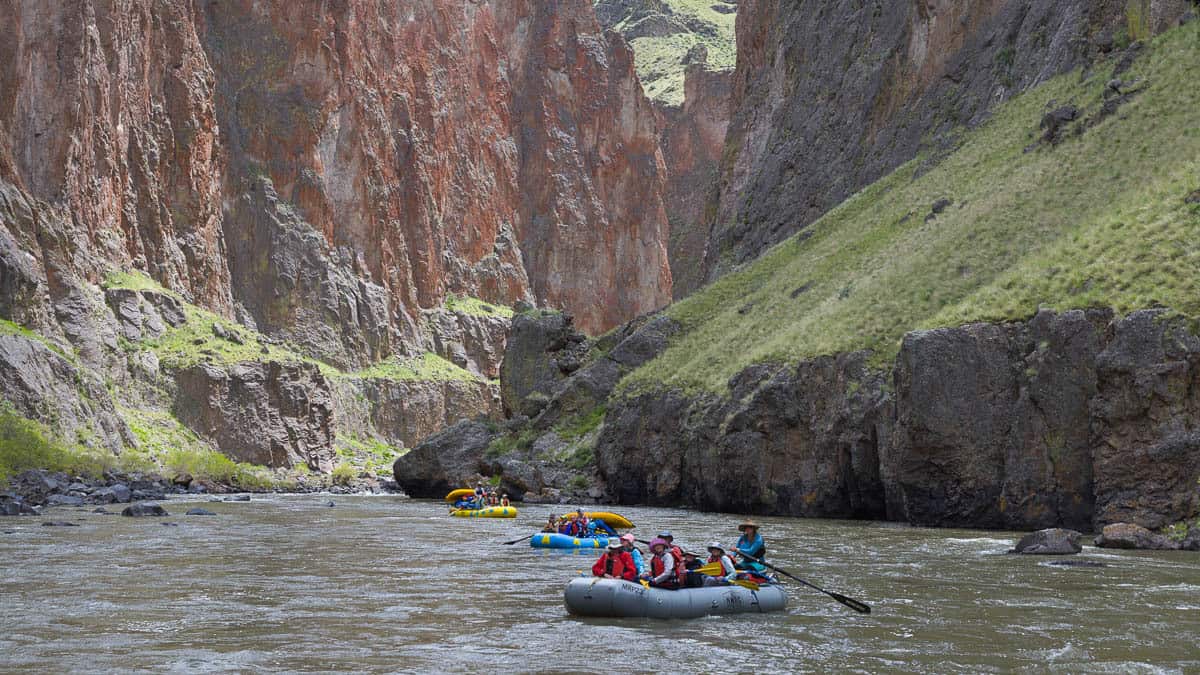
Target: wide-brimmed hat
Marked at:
613, 542
666, 534
747, 523
657, 541
717, 545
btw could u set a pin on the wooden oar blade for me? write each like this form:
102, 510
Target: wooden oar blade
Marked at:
861, 608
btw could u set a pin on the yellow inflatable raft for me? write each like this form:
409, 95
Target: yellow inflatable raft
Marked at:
458, 494
613, 520
489, 512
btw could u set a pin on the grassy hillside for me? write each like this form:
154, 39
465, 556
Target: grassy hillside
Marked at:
1102, 219
659, 60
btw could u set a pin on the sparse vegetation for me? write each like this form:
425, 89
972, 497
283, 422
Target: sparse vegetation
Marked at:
344, 474
581, 425
1099, 220
659, 60
26, 444
428, 367
468, 305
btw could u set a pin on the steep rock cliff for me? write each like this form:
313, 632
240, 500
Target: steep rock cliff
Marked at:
1075, 419
328, 177
828, 98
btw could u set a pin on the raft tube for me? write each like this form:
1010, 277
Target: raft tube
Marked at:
555, 540
489, 512
586, 596
613, 520
455, 495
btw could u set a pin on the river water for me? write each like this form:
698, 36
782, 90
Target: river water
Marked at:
384, 583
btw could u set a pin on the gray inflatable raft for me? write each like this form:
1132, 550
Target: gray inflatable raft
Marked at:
617, 598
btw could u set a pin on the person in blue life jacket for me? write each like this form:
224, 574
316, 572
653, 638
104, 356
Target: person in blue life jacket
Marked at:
639, 561
750, 543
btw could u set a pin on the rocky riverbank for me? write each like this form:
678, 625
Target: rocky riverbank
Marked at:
31, 491
1078, 419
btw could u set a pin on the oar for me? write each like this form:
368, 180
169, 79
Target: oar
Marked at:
529, 536
853, 604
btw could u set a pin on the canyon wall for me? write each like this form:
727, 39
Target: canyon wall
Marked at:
1076, 419
325, 176
828, 98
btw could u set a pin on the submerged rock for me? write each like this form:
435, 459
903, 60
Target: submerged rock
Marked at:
58, 523
1052, 541
142, 510
1128, 535
200, 512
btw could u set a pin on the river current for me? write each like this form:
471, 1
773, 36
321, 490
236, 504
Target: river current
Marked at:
385, 583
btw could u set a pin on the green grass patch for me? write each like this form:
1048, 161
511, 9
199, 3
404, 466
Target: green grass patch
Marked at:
509, 443
1100, 220
9, 328
28, 444
134, 280
427, 367
581, 425
370, 454
467, 305
659, 60
344, 474
166, 446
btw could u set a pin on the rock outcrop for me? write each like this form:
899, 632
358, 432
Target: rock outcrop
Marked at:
1052, 541
693, 139
271, 414
828, 99
1074, 419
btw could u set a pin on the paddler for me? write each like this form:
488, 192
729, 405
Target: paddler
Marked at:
750, 544
615, 563
551, 524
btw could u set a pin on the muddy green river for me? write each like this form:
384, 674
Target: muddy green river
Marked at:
382, 584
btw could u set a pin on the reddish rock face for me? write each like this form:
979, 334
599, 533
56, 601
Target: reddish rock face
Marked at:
326, 172
693, 138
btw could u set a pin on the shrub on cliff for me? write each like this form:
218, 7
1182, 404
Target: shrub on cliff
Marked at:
26, 444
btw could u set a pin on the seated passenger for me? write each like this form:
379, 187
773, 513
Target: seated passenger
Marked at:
716, 554
630, 547
615, 563
551, 524
504, 500
662, 566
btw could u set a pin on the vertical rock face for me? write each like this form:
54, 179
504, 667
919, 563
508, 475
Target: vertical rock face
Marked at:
327, 174
693, 138
828, 98
265, 413
1075, 419
593, 224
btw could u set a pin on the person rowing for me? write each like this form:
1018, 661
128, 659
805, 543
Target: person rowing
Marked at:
751, 544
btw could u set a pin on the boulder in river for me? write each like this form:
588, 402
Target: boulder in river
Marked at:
142, 510
1051, 541
1128, 535
200, 512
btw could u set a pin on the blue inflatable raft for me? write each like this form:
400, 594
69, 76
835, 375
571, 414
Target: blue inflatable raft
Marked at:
555, 540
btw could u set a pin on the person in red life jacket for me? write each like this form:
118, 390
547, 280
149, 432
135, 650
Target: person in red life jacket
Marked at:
681, 568
581, 523
504, 500
615, 563
662, 566
716, 554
